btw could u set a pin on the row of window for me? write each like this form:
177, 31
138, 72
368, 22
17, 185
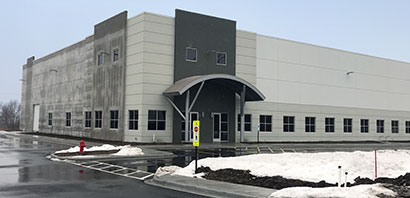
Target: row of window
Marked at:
115, 56
265, 124
192, 56
156, 119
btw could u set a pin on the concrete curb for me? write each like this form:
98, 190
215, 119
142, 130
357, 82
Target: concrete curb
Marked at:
209, 188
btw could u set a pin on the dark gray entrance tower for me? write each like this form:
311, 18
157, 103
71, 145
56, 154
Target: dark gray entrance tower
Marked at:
208, 35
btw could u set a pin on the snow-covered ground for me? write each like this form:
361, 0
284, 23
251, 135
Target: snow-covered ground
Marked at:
361, 191
314, 167
126, 150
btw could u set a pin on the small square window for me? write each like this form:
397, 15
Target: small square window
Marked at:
191, 54
115, 55
99, 59
221, 58
156, 120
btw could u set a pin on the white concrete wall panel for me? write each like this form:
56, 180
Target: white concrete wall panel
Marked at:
307, 74
150, 70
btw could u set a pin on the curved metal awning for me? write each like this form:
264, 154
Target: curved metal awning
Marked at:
233, 82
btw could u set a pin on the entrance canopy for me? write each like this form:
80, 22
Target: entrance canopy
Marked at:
246, 91
233, 82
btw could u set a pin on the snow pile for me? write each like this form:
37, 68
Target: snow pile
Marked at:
161, 171
361, 191
126, 150
312, 166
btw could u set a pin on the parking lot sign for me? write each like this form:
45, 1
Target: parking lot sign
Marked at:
195, 130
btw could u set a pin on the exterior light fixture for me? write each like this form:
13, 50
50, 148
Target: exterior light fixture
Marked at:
53, 70
349, 72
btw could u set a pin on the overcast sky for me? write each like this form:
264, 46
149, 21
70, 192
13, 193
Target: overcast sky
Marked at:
37, 28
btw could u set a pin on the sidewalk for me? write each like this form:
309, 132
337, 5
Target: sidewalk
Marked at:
208, 187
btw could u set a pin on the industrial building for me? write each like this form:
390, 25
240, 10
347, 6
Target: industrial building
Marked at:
146, 78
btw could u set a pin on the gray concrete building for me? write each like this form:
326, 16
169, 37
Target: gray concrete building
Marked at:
146, 78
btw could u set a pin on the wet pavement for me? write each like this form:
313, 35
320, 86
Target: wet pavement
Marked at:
26, 172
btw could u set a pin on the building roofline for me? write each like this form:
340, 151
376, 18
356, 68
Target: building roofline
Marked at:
52, 54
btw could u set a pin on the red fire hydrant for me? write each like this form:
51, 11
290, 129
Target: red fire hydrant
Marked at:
82, 146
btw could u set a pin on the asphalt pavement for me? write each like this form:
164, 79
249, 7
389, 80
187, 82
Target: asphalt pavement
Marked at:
26, 172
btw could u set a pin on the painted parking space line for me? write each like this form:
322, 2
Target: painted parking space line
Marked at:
114, 169
294, 150
271, 150
282, 150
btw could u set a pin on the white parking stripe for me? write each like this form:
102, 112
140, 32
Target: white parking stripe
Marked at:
105, 166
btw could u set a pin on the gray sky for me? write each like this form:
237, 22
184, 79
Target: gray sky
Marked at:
374, 27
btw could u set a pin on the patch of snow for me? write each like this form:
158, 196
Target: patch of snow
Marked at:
126, 150
361, 191
312, 166
161, 171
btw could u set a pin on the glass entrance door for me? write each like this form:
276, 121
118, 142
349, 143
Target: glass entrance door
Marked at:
220, 127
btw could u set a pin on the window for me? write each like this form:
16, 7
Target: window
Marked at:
133, 120
68, 119
50, 119
347, 125
395, 126
191, 54
248, 122
114, 119
221, 58
224, 126
99, 59
87, 119
288, 123
265, 122
364, 126
380, 126
407, 126
310, 124
115, 55
98, 119
329, 125
156, 120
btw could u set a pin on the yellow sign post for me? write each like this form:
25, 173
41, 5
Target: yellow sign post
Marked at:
195, 130
195, 141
